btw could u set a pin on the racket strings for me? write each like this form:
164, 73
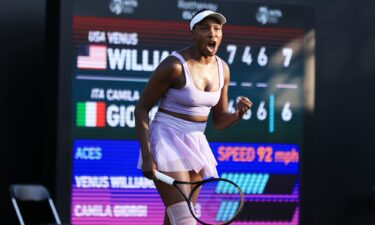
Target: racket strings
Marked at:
218, 202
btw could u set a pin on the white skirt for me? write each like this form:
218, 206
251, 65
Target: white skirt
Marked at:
180, 145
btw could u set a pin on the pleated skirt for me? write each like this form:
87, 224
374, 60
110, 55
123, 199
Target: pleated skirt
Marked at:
180, 145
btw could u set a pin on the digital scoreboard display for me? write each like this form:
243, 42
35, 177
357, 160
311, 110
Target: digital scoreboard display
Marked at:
116, 44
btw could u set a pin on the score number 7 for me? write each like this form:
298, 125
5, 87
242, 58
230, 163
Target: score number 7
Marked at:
232, 52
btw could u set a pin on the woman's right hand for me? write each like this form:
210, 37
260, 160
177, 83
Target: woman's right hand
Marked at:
149, 167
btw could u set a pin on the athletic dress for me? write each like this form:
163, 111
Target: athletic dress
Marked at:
178, 144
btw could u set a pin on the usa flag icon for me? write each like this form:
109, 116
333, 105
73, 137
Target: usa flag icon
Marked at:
92, 57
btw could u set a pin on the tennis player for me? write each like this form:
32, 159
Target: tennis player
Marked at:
189, 84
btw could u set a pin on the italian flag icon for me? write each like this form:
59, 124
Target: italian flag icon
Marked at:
90, 114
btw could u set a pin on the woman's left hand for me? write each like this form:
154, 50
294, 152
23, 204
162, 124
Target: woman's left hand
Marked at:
243, 105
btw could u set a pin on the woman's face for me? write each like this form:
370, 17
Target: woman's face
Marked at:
207, 36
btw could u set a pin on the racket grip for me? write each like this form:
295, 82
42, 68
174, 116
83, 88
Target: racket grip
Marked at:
162, 177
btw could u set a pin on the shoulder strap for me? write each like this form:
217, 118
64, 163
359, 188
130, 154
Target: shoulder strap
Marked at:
184, 65
221, 71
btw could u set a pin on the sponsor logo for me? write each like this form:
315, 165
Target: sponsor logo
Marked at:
265, 15
190, 7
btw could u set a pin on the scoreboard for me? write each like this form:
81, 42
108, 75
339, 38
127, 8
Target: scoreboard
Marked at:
113, 48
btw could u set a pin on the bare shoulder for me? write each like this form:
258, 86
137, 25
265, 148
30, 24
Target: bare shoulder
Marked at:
165, 76
170, 68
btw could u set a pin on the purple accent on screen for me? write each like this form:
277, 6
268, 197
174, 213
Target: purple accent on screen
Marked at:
137, 202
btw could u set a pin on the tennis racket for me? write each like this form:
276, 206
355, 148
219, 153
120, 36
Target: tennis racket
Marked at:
219, 201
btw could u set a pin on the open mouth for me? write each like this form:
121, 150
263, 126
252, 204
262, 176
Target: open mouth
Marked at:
211, 45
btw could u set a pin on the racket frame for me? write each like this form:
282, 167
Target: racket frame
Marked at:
173, 182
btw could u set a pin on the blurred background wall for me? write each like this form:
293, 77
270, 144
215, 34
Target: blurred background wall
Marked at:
343, 157
338, 169
28, 97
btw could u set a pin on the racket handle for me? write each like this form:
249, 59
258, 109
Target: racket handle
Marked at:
162, 177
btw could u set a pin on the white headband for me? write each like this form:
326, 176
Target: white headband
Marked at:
200, 16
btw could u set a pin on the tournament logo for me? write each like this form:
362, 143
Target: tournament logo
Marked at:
266, 15
123, 6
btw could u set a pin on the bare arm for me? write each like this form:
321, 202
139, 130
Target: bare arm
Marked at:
160, 81
220, 115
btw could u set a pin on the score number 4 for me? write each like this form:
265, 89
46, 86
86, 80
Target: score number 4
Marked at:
262, 57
